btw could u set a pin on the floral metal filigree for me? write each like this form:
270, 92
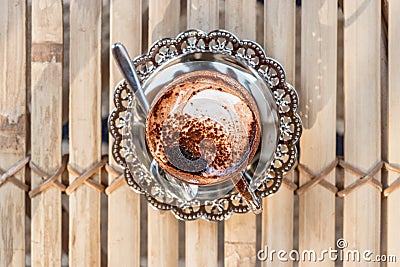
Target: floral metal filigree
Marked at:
253, 56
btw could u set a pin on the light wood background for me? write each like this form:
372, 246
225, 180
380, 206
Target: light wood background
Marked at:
55, 70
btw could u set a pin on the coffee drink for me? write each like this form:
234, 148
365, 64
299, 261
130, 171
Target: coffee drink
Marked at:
203, 128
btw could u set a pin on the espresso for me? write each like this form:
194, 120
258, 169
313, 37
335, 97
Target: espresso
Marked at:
203, 128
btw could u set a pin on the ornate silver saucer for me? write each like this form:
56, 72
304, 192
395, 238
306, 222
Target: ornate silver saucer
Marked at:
247, 63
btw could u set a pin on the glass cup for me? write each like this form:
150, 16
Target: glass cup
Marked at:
203, 128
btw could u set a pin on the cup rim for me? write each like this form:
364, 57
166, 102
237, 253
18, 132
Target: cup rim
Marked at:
245, 95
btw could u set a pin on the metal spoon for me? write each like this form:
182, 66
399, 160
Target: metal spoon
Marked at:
244, 189
125, 64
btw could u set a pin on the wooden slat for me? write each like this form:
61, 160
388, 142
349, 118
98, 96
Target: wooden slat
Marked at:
202, 14
240, 240
362, 208
85, 129
162, 238
201, 243
318, 112
202, 236
162, 229
12, 129
393, 200
240, 18
163, 19
46, 84
240, 230
123, 204
280, 36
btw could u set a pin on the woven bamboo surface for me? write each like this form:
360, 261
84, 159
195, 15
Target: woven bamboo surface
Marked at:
63, 199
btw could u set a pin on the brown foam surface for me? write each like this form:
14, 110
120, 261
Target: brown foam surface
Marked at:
203, 128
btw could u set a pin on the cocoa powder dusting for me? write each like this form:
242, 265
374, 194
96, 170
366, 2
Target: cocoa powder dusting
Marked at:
196, 148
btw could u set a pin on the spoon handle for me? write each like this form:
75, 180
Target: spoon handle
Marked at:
125, 64
244, 189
